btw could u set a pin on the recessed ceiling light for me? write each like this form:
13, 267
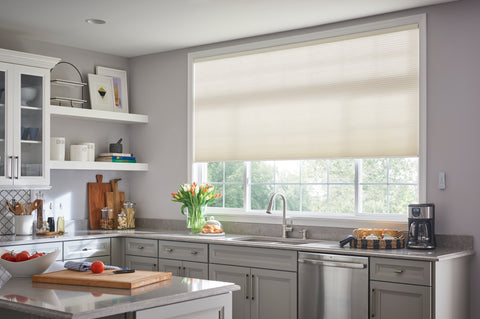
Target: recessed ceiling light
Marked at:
95, 21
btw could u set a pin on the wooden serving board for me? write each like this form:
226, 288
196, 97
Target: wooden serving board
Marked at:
107, 278
96, 201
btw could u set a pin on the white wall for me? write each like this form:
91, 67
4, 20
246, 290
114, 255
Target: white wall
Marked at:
159, 84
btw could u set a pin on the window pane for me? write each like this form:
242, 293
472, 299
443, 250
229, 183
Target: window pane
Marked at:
287, 172
374, 170
215, 172
234, 172
342, 171
234, 196
403, 170
314, 171
292, 194
219, 190
400, 196
374, 199
260, 196
262, 172
342, 199
314, 198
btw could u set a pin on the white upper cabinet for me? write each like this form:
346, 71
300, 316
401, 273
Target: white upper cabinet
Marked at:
24, 124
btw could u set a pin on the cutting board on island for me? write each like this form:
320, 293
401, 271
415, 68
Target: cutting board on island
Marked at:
107, 278
96, 201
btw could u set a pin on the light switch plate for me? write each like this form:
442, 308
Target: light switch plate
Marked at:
441, 181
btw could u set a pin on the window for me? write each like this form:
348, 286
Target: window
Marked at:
335, 120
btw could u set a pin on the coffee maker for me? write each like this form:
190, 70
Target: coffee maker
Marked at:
421, 226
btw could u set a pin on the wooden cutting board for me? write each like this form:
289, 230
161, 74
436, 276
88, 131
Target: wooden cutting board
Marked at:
96, 201
106, 279
115, 199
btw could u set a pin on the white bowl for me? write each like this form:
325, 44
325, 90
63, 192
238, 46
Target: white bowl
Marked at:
28, 95
28, 268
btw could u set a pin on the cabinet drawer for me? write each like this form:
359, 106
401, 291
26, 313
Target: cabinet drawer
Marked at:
141, 247
141, 263
82, 249
41, 248
401, 271
183, 250
254, 257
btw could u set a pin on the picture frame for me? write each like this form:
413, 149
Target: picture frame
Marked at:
120, 87
101, 92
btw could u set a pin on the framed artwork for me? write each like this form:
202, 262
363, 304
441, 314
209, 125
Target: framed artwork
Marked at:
101, 92
119, 87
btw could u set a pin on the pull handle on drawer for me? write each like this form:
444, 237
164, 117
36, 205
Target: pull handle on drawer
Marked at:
141, 247
194, 252
398, 271
168, 250
85, 249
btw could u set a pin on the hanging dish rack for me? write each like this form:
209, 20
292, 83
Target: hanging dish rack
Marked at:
62, 82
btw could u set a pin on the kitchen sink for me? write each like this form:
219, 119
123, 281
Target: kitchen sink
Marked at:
279, 240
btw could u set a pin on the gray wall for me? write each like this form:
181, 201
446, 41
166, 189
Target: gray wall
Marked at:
159, 84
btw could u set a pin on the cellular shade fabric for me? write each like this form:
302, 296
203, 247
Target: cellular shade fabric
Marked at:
353, 96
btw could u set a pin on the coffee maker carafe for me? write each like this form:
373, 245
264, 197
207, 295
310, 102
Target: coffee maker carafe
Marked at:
421, 226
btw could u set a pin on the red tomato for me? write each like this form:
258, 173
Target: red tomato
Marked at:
11, 257
22, 256
97, 267
4, 256
36, 255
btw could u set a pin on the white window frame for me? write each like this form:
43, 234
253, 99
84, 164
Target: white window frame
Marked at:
241, 215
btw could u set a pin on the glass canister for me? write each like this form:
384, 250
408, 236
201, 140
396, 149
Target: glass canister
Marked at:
122, 220
107, 221
129, 209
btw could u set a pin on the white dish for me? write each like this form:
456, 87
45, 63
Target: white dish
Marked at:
212, 234
28, 268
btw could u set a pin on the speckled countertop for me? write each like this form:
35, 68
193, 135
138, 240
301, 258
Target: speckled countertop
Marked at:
321, 246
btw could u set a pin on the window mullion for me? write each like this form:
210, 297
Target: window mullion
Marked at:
247, 186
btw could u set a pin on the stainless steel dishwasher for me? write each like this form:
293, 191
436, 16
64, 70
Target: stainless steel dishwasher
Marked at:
332, 286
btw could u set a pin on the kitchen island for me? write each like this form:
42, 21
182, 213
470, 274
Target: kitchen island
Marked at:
178, 297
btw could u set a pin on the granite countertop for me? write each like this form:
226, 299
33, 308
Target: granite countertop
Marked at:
67, 301
321, 246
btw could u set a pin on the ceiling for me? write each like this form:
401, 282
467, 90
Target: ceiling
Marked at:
142, 27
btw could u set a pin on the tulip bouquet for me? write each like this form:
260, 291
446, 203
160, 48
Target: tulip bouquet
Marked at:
195, 198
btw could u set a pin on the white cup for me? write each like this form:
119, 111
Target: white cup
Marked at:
79, 153
91, 151
23, 224
57, 148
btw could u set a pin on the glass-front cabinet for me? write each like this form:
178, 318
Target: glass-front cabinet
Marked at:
24, 126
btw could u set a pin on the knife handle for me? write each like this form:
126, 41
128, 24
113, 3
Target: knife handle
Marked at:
124, 271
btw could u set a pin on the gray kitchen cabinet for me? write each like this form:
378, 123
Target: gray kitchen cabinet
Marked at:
141, 263
265, 292
87, 250
399, 301
141, 247
183, 258
184, 268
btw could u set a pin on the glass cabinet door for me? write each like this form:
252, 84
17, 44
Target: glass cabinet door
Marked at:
2, 124
31, 126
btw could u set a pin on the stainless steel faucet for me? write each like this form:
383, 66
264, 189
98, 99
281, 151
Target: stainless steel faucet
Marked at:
285, 227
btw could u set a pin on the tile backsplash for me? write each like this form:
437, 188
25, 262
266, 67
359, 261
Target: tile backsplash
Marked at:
20, 195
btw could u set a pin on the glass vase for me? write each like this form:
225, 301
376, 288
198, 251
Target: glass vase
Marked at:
196, 218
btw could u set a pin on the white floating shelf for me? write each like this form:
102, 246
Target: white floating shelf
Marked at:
93, 166
104, 116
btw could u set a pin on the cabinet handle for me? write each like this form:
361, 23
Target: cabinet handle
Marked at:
85, 249
168, 250
179, 270
141, 247
398, 271
253, 287
194, 252
18, 165
11, 167
246, 288
373, 303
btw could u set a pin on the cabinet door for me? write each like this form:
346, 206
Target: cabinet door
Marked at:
274, 294
169, 265
141, 263
4, 124
241, 277
32, 130
195, 270
399, 301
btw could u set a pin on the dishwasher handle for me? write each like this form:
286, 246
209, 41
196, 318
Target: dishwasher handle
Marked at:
338, 264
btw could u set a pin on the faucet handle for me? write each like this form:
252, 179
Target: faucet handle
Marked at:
304, 233
289, 224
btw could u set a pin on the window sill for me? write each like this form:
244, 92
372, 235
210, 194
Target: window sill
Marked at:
309, 219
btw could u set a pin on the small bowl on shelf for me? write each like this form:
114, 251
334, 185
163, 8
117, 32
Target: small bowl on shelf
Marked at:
28, 95
30, 267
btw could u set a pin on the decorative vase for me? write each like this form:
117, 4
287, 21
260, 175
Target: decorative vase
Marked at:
196, 218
